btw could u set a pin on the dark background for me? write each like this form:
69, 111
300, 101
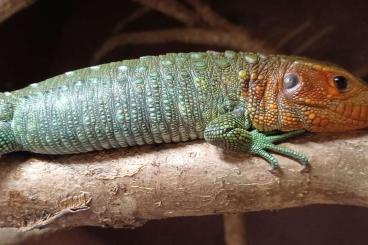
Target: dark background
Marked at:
51, 37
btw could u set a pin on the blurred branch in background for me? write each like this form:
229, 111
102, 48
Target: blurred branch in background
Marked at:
235, 229
140, 12
10, 7
309, 42
223, 38
174, 9
202, 25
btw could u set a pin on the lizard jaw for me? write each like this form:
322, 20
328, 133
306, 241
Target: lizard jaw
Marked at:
341, 117
352, 111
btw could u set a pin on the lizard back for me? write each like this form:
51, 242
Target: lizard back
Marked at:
154, 99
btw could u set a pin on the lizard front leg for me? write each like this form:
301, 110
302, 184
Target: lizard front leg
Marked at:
232, 132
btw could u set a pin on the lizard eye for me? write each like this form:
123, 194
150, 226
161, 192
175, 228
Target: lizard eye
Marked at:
340, 82
290, 81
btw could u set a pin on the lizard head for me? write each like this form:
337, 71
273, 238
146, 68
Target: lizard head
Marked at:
306, 94
316, 96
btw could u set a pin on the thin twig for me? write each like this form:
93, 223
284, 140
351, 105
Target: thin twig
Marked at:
223, 34
132, 17
173, 9
209, 15
299, 29
312, 40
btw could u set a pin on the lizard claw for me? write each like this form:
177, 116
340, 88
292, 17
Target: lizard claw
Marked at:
306, 169
276, 170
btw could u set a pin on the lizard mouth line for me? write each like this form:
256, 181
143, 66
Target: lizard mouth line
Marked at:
351, 111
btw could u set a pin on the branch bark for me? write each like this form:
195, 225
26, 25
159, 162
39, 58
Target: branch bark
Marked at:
127, 187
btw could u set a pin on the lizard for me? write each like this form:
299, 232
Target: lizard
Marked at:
239, 101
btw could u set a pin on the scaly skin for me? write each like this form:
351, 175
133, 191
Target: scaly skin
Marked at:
230, 99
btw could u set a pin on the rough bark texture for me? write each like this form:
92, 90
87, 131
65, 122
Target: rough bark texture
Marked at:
127, 187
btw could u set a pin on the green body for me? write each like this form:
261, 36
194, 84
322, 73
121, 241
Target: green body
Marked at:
161, 99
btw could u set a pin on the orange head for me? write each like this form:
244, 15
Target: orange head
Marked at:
308, 94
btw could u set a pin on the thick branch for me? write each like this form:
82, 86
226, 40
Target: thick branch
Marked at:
127, 187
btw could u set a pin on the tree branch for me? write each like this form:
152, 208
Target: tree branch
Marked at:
209, 15
232, 39
235, 229
204, 27
173, 9
127, 187
312, 40
140, 12
10, 7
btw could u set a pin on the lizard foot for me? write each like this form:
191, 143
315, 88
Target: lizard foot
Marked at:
232, 132
261, 144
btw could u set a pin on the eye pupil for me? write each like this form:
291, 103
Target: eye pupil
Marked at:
290, 81
341, 82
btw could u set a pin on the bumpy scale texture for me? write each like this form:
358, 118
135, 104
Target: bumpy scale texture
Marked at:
227, 98
169, 98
